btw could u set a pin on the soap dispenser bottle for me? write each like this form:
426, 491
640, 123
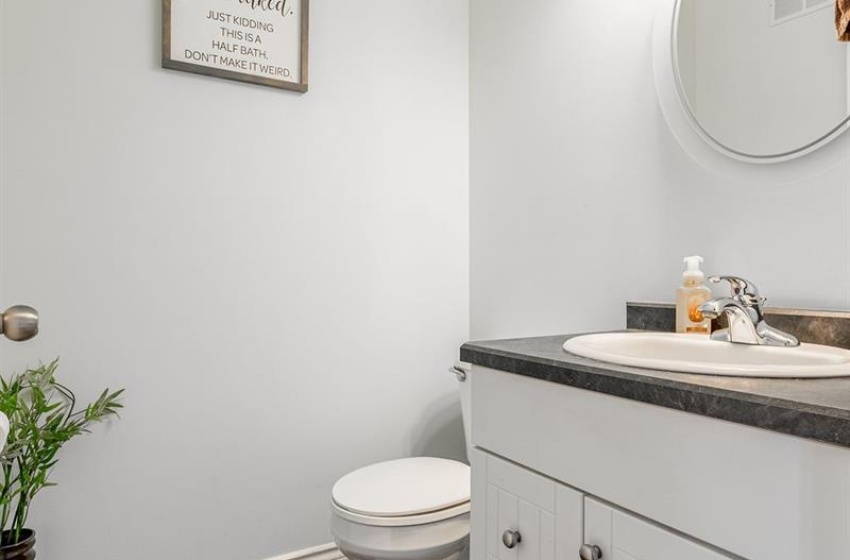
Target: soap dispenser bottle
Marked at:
692, 294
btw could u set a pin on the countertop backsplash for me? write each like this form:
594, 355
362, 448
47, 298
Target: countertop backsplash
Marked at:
831, 328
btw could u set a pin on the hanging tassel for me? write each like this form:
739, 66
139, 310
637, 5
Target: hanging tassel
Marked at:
842, 19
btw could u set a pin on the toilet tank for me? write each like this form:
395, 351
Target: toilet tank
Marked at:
463, 371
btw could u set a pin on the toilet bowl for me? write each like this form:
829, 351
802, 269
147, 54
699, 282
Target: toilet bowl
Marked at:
407, 509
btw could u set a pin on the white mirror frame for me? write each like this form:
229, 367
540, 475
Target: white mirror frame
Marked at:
807, 162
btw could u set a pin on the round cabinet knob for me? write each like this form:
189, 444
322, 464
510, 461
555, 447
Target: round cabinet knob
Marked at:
589, 552
511, 538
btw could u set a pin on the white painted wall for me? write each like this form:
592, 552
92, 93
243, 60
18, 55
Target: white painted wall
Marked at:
279, 281
581, 199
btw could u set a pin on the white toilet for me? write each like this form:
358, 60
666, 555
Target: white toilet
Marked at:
407, 509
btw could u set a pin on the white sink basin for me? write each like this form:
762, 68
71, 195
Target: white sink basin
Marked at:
688, 353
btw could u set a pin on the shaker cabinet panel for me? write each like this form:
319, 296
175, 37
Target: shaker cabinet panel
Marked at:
521, 515
621, 536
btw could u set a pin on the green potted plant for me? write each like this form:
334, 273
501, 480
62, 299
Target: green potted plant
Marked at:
43, 416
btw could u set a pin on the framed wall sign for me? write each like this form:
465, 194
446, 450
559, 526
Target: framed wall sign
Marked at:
258, 41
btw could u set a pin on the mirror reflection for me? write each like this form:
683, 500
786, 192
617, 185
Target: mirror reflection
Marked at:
763, 78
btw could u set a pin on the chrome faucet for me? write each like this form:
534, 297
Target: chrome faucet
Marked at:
745, 314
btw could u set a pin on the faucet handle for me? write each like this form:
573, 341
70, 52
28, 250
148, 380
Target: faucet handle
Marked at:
743, 290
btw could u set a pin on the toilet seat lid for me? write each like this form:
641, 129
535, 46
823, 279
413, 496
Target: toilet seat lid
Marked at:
404, 487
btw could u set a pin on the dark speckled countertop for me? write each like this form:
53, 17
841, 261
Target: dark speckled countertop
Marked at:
817, 409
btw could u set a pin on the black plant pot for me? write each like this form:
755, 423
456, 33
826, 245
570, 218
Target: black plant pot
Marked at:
24, 549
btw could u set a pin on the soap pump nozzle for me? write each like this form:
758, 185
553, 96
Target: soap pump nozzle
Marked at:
692, 273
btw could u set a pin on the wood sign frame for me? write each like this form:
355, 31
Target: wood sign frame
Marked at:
243, 40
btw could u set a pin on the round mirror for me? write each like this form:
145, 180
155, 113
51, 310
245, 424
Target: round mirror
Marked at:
763, 80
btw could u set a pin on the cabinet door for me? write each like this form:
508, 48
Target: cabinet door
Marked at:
543, 519
621, 536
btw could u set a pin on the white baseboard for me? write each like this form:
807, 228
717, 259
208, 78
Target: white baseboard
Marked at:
323, 552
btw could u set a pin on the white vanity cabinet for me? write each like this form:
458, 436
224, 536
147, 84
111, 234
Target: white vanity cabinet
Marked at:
621, 536
522, 515
565, 467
